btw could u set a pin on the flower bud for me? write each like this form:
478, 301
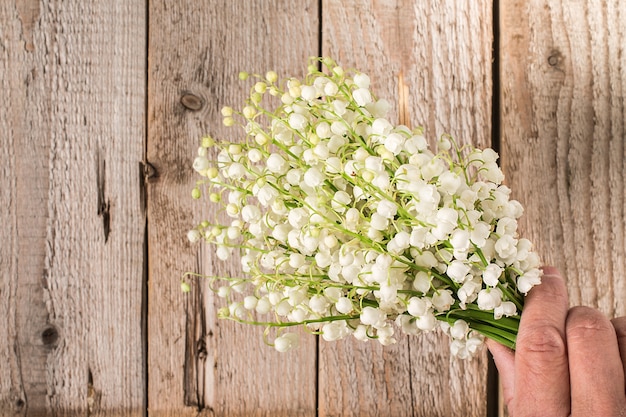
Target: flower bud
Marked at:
286, 342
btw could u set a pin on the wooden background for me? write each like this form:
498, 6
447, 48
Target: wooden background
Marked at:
103, 104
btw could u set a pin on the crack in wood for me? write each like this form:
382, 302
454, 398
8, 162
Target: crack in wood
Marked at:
104, 205
196, 350
93, 395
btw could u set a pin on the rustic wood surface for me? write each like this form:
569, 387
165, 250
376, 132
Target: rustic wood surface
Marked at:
435, 58
563, 80
72, 120
196, 51
103, 108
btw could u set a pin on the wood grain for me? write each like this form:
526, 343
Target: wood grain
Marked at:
197, 364
563, 115
71, 265
563, 79
440, 53
73, 335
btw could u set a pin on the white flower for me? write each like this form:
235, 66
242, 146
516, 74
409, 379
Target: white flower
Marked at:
506, 226
267, 194
362, 97
529, 280
442, 300
459, 329
450, 182
458, 270
255, 155
201, 164
340, 201
387, 209
394, 143
361, 333
422, 282
194, 235
446, 223
399, 243
506, 247
330, 89
250, 302
308, 92
236, 171
468, 292
335, 330
489, 298
313, 177
296, 260
507, 308
286, 342
479, 233
491, 275
379, 222
263, 306
381, 127
427, 322
371, 316
293, 176
250, 214
418, 306
491, 171
339, 107
277, 164
344, 305
361, 80
385, 335
297, 121
460, 241
298, 217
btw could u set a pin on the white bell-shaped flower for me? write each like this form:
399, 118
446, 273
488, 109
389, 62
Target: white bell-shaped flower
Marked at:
489, 298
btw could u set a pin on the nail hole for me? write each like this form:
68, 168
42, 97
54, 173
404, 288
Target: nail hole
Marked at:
553, 60
50, 335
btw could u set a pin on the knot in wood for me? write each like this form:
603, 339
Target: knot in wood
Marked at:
191, 102
50, 336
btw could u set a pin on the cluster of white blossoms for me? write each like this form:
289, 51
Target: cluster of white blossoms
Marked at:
350, 225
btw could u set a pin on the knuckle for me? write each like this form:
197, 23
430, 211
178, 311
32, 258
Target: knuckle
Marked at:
543, 339
584, 323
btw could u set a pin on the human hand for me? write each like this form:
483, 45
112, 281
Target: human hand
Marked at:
567, 361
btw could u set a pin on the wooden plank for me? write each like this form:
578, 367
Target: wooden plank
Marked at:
563, 79
71, 267
197, 364
439, 53
563, 83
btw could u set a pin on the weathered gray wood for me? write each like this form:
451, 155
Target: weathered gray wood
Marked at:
435, 57
563, 80
71, 280
195, 362
563, 116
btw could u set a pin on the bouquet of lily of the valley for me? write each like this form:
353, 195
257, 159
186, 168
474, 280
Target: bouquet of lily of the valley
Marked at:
349, 225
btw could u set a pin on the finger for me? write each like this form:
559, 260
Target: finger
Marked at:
505, 362
541, 367
595, 365
620, 329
